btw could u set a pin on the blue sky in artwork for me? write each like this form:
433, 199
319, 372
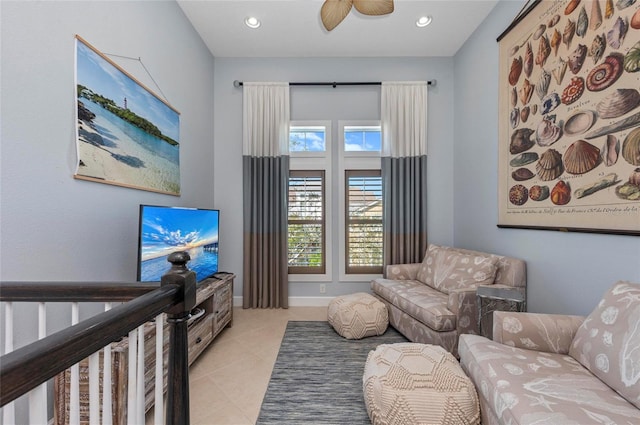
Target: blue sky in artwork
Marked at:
99, 75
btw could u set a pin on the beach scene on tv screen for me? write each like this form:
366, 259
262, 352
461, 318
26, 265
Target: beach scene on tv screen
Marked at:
167, 230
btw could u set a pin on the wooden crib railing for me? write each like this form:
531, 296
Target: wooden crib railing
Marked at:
27, 369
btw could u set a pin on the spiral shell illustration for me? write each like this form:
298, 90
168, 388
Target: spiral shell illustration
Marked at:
605, 74
598, 46
543, 84
581, 157
571, 6
583, 23
526, 91
596, 16
568, 32
544, 49
527, 65
549, 166
516, 69
559, 71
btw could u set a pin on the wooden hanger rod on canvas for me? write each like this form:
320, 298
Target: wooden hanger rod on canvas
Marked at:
334, 84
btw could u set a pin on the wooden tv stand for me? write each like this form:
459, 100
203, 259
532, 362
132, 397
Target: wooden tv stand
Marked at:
213, 312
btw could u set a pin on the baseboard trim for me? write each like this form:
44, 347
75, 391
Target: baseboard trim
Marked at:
296, 301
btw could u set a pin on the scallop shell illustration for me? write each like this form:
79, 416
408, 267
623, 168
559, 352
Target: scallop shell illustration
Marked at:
596, 15
568, 33
549, 103
579, 122
635, 20
524, 114
553, 21
559, 71
573, 91
615, 36
571, 6
605, 74
598, 46
581, 157
555, 41
539, 31
522, 174
549, 166
576, 58
631, 61
538, 193
527, 66
543, 84
518, 194
544, 49
618, 103
525, 92
521, 140
608, 9
583, 23
516, 69
561, 193
610, 150
631, 147
548, 132
523, 159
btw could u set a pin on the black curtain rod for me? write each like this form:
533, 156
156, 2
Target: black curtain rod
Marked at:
334, 84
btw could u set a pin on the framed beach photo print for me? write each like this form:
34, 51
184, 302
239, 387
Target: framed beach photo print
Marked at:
126, 135
569, 117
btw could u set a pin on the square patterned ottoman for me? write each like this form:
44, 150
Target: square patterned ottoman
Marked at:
359, 315
410, 383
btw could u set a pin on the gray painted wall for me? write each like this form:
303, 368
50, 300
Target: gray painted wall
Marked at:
54, 227
327, 103
567, 272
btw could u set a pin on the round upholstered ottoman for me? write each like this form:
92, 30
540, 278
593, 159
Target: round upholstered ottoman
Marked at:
409, 383
356, 316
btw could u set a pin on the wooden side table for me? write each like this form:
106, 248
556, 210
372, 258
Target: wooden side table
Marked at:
492, 298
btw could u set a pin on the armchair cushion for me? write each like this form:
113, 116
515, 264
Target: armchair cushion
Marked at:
608, 342
550, 333
446, 269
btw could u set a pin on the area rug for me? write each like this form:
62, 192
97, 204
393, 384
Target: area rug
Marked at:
317, 378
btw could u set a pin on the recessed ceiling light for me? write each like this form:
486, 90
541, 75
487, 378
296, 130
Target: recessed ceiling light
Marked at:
423, 21
252, 22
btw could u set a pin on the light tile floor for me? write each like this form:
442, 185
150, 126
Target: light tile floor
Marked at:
229, 379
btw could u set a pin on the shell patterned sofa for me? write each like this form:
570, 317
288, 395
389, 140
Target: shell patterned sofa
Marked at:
557, 369
435, 301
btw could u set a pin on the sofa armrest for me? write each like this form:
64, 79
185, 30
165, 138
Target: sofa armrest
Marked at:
463, 303
550, 333
403, 271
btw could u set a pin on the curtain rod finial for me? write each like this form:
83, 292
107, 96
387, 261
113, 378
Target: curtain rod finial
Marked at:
237, 83
432, 83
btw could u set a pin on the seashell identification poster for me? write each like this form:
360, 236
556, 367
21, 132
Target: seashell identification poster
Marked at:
569, 117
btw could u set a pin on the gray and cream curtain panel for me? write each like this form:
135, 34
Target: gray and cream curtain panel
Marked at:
265, 164
404, 171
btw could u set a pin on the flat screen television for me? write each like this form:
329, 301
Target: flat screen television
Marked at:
164, 230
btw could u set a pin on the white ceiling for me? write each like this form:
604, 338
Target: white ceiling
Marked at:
292, 28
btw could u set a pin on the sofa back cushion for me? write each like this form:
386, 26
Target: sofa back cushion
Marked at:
608, 342
447, 269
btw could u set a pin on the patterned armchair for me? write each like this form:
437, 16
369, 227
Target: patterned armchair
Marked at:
434, 302
559, 369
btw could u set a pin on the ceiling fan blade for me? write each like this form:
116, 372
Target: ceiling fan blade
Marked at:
374, 7
334, 11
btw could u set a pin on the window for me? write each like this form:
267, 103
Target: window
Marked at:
360, 227
363, 222
362, 138
306, 212
309, 206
